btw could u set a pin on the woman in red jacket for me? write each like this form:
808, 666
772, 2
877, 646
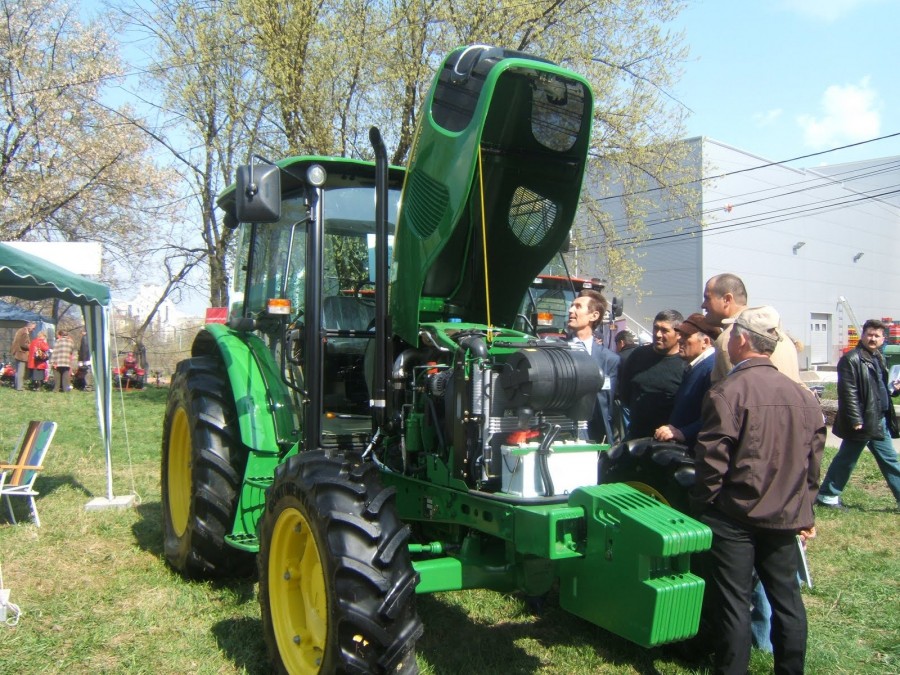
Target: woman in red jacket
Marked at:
38, 356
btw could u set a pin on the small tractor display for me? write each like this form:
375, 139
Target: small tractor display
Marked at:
368, 425
545, 309
129, 375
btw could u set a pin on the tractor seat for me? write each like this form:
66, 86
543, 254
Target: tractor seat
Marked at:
346, 313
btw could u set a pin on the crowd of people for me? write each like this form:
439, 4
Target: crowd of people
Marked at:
725, 382
36, 363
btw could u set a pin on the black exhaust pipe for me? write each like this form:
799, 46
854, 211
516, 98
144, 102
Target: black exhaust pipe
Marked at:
379, 385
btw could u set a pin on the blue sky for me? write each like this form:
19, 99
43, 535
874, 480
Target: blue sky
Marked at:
785, 78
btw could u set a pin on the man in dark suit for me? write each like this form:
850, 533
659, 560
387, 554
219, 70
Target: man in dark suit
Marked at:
585, 313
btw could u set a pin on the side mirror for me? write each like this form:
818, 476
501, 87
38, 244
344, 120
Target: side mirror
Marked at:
258, 193
617, 307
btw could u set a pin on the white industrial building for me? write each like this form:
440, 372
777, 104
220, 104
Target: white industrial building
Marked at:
801, 239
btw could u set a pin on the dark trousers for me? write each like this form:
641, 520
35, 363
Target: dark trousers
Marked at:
62, 380
728, 569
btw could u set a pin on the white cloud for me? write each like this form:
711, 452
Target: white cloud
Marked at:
851, 113
825, 10
768, 118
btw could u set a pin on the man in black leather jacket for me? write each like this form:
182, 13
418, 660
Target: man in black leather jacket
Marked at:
865, 417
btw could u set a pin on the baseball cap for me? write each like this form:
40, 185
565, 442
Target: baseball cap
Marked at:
698, 323
764, 321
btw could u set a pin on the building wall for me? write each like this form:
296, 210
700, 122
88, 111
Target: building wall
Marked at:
754, 217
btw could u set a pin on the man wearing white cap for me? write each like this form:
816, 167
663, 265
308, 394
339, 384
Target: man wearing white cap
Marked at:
758, 455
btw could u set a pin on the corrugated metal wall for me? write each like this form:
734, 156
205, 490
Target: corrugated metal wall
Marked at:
790, 234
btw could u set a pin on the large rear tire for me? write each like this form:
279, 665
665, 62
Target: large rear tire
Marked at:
203, 464
663, 470
336, 585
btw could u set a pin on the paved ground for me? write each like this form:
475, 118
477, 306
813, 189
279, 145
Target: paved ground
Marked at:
818, 376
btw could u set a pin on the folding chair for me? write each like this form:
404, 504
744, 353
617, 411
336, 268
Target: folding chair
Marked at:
17, 478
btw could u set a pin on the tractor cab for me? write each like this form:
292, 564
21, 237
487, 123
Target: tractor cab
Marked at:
307, 268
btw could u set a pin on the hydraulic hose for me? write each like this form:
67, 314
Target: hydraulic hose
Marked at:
543, 452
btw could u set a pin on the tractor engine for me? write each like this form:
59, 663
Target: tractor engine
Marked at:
484, 400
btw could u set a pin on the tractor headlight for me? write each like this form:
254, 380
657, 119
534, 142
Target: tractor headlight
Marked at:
316, 175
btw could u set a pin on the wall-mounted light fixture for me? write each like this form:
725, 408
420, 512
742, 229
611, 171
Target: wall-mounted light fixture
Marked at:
857, 256
798, 246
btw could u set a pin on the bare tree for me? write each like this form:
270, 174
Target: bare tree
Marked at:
207, 110
310, 76
70, 170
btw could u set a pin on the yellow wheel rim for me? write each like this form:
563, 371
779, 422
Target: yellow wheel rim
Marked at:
649, 491
298, 598
179, 472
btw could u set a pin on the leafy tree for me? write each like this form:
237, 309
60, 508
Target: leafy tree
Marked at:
311, 76
338, 66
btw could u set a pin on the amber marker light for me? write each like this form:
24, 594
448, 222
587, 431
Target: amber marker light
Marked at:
278, 306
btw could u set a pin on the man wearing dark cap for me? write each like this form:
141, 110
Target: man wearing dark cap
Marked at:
696, 336
758, 455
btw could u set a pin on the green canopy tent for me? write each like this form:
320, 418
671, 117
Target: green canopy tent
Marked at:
23, 275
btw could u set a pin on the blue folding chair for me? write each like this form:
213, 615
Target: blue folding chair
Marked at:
18, 476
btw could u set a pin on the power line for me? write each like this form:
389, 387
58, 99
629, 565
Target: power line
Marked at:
749, 222
821, 181
750, 168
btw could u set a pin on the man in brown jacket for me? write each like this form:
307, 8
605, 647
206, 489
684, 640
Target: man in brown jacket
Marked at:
19, 352
758, 455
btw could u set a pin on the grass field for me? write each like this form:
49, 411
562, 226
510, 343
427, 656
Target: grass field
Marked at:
97, 597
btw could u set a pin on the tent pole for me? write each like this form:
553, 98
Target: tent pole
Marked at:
97, 318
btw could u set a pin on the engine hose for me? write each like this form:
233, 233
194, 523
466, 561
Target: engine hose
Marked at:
437, 424
543, 452
475, 344
526, 501
372, 443
550, 491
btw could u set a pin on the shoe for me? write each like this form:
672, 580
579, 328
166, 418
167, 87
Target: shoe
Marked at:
836, 506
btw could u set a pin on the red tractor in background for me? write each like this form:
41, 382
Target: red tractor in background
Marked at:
130, 375
7, 371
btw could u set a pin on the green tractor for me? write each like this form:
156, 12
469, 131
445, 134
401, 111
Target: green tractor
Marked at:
368, 426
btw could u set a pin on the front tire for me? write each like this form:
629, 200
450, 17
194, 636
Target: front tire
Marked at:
663, 470
203, 464
336, 586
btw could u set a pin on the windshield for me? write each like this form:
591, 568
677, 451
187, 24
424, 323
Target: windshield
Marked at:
546, 305
279, 250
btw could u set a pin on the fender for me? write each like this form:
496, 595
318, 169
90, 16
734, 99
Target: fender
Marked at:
262, 400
